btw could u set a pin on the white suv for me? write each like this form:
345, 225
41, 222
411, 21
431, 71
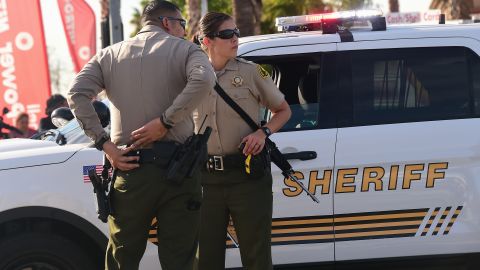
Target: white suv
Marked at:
383, 131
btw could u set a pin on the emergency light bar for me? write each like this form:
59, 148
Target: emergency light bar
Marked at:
330, 23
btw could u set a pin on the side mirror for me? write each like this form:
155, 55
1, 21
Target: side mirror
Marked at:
61, 116
103, 112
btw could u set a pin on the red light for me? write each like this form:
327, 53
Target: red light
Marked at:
314, 18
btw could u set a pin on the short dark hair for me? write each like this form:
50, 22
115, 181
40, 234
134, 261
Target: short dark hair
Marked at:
53, 102
209, 25
157, 8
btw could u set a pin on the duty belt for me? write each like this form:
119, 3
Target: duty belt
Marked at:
222, 163
144, 155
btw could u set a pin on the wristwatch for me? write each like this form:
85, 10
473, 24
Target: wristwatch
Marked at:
165, 124
100, 142
267, 131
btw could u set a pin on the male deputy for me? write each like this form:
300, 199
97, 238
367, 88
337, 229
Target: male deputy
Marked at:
153, 81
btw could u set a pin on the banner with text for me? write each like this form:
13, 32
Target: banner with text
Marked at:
416, 17
79, 23
24, 73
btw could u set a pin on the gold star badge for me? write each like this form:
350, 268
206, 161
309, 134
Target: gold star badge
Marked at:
237, 81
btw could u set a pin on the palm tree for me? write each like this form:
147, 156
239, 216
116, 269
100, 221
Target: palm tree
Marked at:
282, 8
350, 4
104, 24
394, 7
136, 19
194, 15
248, 15
224, 6
104, 4
454, 9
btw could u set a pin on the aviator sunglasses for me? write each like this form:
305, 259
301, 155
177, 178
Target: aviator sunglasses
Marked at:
182, 22
227, 33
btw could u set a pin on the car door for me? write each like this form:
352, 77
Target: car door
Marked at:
302, 230
407, 150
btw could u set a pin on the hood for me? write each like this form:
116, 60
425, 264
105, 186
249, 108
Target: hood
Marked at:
15, 153
20, 144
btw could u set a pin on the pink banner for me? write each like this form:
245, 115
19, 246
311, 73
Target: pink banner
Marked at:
24, 73
79, 24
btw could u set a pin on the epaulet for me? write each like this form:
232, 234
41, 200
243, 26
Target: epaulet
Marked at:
241, 60
260, 70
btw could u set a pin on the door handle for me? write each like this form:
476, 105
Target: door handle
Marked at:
302, 155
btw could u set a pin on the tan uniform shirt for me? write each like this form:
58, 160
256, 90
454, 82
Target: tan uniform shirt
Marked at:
250, 87
144, 77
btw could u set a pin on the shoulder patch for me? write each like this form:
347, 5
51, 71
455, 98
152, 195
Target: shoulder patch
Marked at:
263, 73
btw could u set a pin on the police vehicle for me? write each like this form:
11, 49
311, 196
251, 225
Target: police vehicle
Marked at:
384, 132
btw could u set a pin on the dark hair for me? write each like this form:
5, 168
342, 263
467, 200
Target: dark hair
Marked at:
54, 102
209, 25
158, 8
22, 115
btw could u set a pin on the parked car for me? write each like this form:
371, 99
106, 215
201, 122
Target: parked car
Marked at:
393, 115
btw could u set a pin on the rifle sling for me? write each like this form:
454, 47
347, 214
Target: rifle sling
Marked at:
236, 107
275, 154
277, 157
245, 117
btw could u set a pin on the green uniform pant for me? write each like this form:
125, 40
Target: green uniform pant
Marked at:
249, 203
139, 196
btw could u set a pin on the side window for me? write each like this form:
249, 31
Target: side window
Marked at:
298, 78
408, 85
475, 78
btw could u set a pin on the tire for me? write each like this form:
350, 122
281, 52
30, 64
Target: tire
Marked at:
39, 251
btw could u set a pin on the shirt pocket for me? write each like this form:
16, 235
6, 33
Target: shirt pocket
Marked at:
244, 98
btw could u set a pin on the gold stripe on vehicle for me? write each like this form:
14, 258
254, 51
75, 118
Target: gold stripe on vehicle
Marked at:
380, 216
302, 221
342, 235
378, 225
308, 229
348, 227
430, 221
441, 220
452, 221
300, 238
375, 233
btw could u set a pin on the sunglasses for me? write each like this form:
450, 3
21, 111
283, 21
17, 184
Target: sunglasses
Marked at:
182, 22
227, 33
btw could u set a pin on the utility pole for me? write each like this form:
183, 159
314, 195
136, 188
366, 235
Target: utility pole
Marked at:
116, 27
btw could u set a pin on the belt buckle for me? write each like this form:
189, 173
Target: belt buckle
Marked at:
218, 163
215, 163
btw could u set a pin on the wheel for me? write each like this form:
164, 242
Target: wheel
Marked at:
38, 251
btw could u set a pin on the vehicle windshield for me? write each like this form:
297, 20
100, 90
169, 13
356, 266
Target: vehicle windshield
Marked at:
70, 133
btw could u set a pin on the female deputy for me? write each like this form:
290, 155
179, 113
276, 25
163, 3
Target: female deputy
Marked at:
228, 190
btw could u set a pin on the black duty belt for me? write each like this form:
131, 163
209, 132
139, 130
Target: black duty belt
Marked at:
160, 154
223, 163
145, 155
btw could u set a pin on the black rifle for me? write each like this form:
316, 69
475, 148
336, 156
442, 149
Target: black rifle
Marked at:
102, 190
287, 170
275, 154
189, 156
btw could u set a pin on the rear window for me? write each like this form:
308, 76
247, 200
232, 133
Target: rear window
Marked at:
407, 85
